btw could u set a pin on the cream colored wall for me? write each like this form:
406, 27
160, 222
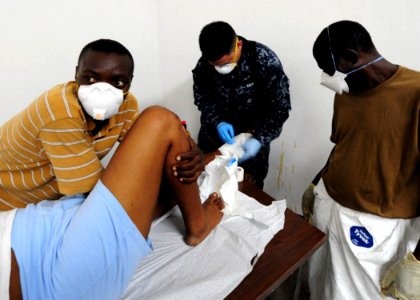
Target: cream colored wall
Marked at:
41, 41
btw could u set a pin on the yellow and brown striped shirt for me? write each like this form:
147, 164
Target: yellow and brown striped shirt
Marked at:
48, 149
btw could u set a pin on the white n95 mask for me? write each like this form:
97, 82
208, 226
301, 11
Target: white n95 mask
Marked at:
100, 100
225, 69
337, 82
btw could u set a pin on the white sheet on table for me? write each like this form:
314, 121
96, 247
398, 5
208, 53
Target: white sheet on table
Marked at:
212, 269
217, 265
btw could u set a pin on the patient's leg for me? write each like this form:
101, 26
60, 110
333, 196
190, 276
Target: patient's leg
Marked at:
135, 172
166, 199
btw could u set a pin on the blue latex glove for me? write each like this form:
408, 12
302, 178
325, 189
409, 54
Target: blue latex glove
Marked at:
226, 132
251, 148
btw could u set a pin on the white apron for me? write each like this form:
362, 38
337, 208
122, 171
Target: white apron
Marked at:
359, 250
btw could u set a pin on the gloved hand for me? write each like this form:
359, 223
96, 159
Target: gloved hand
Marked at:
226, 132
402, 280
251, 148
308, 199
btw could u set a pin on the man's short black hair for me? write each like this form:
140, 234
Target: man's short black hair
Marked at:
106, 46
216, 40
342, 35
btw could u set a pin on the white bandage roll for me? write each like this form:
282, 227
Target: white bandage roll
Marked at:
239, 174
236, 148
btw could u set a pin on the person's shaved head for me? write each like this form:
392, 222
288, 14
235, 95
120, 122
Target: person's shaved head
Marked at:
337, 38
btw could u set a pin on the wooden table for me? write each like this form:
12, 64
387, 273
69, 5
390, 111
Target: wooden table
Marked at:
285, 253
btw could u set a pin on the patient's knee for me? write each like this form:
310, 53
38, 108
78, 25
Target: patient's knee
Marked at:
159, 117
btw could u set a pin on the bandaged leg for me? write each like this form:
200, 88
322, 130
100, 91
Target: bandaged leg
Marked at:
256, 167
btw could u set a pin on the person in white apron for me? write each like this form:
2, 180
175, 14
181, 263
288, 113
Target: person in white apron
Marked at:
368, 201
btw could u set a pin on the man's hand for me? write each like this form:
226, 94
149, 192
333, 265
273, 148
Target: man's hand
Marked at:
308, 199
226, 132
189, 164
402, 280
251, 148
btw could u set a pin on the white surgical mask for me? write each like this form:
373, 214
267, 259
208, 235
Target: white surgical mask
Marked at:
337, 81
100, 100
227, 68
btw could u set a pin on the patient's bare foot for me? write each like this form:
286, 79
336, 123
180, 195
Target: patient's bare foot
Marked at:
212, 210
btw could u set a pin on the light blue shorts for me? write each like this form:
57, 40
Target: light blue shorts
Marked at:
77, 248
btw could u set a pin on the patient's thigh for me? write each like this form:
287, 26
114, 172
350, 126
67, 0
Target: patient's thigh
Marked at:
101, 249
87, 250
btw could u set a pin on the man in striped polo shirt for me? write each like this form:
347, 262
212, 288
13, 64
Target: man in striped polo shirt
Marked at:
89, 247
54, 146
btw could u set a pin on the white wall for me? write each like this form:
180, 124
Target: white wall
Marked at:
42, 39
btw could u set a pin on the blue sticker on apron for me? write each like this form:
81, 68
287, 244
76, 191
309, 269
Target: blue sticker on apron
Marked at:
360, 237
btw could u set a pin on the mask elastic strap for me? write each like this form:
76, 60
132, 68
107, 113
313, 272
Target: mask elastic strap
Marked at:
352, 71
364, 66
329, 43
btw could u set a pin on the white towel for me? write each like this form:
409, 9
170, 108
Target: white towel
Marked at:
6, 221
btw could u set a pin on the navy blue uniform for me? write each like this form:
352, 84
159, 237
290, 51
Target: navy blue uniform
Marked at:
254, 98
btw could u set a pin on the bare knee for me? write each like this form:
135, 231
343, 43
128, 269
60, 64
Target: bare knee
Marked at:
160, 121
159, 117
160, 114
